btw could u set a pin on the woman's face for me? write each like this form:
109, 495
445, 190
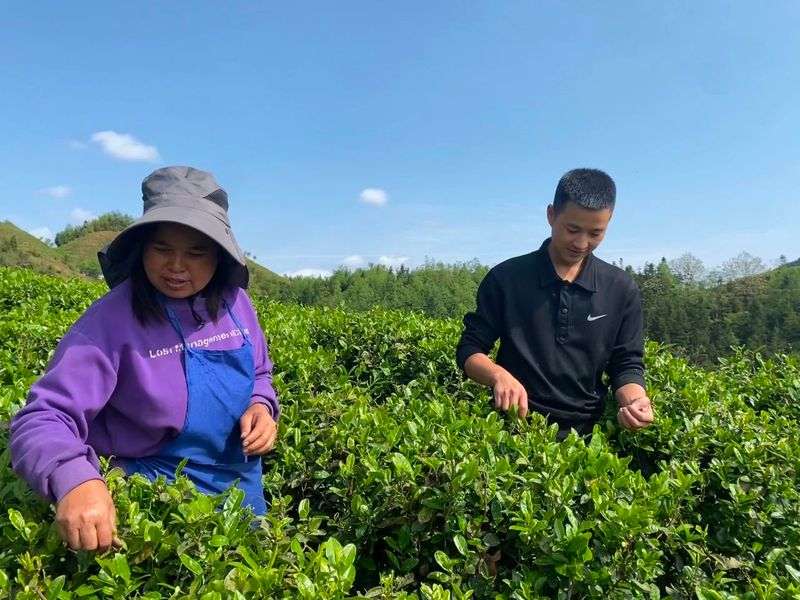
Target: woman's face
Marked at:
179, 261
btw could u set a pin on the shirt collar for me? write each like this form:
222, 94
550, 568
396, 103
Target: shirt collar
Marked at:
548, 275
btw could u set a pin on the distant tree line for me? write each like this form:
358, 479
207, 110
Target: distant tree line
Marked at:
702, 313
113, 221
741, 304
436, 289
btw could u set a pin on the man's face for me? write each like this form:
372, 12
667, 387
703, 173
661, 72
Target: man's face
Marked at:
576, 231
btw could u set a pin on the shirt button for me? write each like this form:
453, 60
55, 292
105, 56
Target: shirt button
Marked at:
564, 310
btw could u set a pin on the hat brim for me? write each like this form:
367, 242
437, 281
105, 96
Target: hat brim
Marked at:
116, 260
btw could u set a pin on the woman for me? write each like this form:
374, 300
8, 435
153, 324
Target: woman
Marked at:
170, 364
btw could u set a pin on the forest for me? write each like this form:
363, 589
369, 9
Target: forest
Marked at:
702, 318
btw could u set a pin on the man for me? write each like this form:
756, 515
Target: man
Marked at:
564, 317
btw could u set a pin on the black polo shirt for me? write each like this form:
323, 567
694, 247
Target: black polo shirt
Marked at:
558, 337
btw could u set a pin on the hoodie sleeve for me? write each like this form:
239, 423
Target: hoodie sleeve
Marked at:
48, 436
263, 390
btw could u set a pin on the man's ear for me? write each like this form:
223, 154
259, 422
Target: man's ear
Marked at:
551, 214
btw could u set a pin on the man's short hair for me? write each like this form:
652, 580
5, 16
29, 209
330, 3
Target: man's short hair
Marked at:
588, 188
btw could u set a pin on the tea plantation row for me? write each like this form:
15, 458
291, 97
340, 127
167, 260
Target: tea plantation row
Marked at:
394, 478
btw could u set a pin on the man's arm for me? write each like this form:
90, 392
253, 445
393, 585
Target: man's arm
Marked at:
626, 367
507, 390
481, 330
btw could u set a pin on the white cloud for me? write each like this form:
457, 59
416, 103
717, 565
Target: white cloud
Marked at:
56, 191
392, 261
374, 196
322, 273
76, 145
80, 215
353, 262
42, 233
125, 147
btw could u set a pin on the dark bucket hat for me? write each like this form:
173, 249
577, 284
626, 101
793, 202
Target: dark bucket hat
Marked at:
181, 195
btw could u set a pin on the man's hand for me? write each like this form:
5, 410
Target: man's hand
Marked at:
637, 414
86, 518
508, 392
259, 430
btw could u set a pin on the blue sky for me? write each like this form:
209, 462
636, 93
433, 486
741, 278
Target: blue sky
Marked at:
459, 116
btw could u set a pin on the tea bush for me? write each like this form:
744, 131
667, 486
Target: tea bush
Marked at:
394, 478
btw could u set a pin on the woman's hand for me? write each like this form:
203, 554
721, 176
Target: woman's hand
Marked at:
86, 518
259, 430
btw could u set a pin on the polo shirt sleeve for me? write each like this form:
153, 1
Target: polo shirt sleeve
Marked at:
482, 327
626, 364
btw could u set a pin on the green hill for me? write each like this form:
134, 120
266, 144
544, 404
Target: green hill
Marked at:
81, 253
78, 257
795, 263
19, 248
261, 278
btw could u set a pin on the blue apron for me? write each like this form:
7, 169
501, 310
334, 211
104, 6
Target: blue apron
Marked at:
220, 386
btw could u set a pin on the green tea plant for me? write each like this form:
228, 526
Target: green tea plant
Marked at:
395, 478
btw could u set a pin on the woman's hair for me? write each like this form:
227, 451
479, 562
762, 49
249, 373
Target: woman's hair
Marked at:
144, 296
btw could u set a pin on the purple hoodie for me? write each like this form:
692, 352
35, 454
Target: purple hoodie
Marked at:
117, 388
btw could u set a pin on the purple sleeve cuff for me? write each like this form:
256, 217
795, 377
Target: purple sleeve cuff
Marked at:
69, 475
270, 403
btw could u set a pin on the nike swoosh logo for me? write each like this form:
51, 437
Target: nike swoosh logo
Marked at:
591, 318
